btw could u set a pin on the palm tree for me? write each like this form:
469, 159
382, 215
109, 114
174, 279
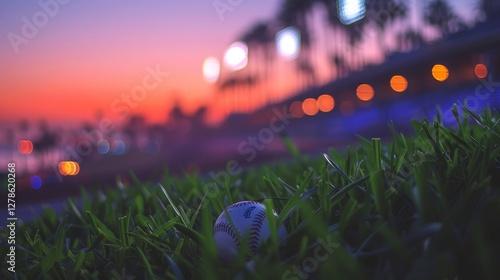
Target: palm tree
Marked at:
382, 13
230, 83
354, 33
440, 14
294, 13
347, 37
409, 39
490, 8
135, 128
260, 41
339, 62
46, 143
333, 24
24, 126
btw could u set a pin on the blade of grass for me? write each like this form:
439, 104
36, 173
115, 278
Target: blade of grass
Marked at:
145, 262
173, 205
78, 264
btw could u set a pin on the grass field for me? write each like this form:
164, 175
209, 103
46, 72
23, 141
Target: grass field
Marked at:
422, 207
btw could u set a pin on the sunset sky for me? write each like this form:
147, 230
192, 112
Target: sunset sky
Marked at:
84, 56
90, 53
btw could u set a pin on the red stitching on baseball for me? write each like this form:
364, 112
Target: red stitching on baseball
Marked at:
255, 231
225, 227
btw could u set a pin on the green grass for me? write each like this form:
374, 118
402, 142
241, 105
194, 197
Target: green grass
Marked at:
425, 207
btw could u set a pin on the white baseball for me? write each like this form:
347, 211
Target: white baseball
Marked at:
250, 221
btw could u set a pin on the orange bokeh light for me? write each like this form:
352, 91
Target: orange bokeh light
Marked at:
310, 106
25, 147
399, 83
440, 72
69, 168
296, 109
326, 103
365, 92
481, 71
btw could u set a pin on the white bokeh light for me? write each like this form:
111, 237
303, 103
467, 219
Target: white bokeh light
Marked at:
236, 56
351, 11
288, 43
211, 69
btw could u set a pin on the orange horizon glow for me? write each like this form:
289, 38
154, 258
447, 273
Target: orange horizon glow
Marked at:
86, 58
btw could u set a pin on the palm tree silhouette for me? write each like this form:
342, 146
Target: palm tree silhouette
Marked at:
46, 143
230, 83
239, 86
24, 126
490, 8
333, 24
354, 32
440, 14
294, 13
409, 39
381, 13
260, 41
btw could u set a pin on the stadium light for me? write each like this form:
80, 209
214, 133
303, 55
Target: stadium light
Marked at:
351, 11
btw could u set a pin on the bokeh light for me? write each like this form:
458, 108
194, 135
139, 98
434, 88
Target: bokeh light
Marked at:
69, 168
103, 146
351, 11
288, 43
365, 92
310, 107
326, 103
236, 56
440, 72
398, 83
211, 69
119, 147
296, 109
36, 182
481, 71
25, 147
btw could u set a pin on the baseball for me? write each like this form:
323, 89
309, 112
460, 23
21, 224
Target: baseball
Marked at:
250, 221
